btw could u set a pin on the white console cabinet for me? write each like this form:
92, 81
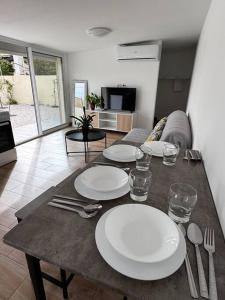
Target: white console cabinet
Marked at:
111, 120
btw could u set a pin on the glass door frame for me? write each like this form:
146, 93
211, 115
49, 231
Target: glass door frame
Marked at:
31, 52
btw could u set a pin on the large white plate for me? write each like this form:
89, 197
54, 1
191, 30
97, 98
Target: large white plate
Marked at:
120, 153
142, 233
84, 191
156, 147
104, 178
137, 270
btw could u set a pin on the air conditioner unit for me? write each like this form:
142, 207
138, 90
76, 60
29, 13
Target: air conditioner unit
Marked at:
138, 52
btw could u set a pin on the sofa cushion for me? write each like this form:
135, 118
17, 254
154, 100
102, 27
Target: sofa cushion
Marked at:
177, 130
137, 135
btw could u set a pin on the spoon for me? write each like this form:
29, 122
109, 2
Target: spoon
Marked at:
81, 213
87, 208
195, 236
191, 280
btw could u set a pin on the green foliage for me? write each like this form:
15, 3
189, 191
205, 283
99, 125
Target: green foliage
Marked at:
84, 121
94, 99
7, 87
43, 67
6, 67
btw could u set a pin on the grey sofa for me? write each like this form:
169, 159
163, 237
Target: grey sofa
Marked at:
177, 131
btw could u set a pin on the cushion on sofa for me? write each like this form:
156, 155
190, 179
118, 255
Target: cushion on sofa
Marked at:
177, 130
137, 135
156, 133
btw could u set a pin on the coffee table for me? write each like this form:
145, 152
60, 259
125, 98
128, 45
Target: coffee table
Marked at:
92, 136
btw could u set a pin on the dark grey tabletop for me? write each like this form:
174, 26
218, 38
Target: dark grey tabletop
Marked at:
64, 239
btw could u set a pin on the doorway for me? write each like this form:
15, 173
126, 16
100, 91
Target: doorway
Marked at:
175, 73
49, 85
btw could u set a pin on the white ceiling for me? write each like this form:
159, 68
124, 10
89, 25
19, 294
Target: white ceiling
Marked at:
61, 24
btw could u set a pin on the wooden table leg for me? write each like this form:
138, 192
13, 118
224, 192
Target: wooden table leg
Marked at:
36, 277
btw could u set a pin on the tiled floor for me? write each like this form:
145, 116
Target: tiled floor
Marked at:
41, 163
23, 120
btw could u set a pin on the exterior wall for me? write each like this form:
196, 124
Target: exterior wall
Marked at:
22, 91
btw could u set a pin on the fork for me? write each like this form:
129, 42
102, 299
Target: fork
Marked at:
209, 245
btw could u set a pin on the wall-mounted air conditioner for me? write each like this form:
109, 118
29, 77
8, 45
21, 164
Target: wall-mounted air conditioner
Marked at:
138, 52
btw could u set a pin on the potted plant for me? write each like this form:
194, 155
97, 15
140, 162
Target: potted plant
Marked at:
94, 100
84, 122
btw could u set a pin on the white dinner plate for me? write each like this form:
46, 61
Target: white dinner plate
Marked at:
120, 153
84, 191
137, 270
156, 147
142, 233
104, 178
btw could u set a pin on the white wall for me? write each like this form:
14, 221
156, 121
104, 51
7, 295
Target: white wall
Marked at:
100, 68
206, 105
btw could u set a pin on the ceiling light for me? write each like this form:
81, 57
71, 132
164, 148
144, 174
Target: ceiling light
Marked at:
98, 31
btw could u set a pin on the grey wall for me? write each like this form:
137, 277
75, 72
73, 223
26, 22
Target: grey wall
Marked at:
174, 80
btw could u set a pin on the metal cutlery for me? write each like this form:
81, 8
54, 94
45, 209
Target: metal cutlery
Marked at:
209, 245
191, 281
80, 212
87, 208
75, 199
186, 155
195, 236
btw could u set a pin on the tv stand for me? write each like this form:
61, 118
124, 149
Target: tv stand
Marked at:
122, 121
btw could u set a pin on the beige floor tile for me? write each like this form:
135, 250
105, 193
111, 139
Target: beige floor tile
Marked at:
11, 276
41, 163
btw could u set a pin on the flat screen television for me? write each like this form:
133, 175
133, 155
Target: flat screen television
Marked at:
119, 98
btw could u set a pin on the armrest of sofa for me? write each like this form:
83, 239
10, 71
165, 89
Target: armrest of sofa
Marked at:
137, 135
178, 130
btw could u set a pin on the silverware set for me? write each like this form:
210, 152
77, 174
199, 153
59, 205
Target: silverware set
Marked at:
191, 154
195, 236
86, 211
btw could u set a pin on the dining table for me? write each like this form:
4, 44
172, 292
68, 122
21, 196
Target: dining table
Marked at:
66, 240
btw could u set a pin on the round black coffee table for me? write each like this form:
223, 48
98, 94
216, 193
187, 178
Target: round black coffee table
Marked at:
77, 135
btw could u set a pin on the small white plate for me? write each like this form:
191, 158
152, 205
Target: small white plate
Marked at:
156, 147
120, 153
142, 233
137, 270
104, 178
84, 191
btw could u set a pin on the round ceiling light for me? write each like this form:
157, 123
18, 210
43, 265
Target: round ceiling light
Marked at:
98, 31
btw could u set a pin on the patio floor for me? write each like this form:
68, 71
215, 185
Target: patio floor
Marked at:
24, 124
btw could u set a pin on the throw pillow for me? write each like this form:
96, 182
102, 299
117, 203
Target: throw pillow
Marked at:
157, 131
154, 136
161, 124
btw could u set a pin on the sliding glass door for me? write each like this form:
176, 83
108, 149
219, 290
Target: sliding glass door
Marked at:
16, 92
49, 87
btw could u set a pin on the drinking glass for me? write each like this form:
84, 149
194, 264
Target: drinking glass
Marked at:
170, 153
140, 182
143, 159
182, 199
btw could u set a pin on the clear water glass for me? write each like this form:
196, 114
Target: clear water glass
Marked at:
170, 153
182, 200
140, 182
143, 159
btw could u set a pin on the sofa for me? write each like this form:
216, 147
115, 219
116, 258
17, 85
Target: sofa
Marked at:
177, 130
